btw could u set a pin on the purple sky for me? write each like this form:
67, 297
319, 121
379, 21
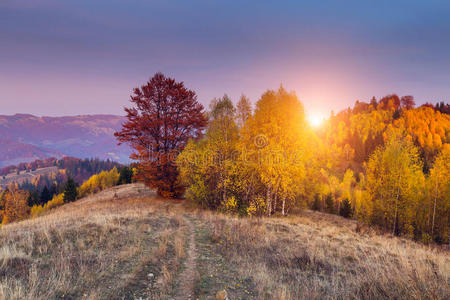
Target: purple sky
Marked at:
84, 57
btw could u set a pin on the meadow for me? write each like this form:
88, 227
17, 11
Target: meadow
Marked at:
128, 243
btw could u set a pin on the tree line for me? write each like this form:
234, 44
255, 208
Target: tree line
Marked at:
17, 204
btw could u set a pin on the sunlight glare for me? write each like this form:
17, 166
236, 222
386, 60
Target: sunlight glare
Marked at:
315, 120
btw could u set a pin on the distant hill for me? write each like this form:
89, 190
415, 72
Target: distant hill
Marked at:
25, 138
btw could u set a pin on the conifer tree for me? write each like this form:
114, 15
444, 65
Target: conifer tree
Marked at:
345, 210
70, 190
126, 175
329, 202
45, 196
317, 205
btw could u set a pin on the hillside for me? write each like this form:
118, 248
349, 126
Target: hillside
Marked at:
13, 152
126, 243
25, 176
26, 138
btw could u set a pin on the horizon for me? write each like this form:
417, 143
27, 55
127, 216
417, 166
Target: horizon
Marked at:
80, 58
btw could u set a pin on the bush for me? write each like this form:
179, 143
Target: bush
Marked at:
36, 210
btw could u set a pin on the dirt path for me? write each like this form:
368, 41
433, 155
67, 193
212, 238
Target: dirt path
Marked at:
188, 276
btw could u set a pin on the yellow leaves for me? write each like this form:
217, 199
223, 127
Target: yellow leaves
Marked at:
427, 126
394, 180
16, 208
257, 206
230, 205
36, 210
99, 182
56, 201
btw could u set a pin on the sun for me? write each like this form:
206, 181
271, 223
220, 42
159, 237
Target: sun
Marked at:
315, 120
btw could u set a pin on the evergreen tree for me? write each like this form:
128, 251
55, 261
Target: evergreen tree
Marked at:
45, 196
345, 209
33, 198
126, 175
317, 205
329, 202
70, 190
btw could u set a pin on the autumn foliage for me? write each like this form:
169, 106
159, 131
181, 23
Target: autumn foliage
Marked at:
15, 205
384, 163
164, 116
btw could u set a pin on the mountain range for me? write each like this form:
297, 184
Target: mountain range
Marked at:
24, 138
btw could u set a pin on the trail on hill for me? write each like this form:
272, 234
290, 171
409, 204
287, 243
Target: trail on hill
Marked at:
188, 276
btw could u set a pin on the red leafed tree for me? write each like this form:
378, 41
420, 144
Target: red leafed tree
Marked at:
164, 116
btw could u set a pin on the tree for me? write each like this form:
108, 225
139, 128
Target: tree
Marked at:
164, 117
33, 198
126, 175
395, 183
206, 166
2, 202
439, 187
45, 196
243, 111
345, 209
408, 102
276, 141
373, 102
70, 190
317, 204
16, 208
329, 202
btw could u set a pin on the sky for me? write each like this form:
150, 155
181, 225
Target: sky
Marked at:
70, 57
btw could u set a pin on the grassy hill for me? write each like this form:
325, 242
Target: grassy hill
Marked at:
127, 243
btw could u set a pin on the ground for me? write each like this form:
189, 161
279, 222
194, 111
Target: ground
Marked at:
127, 243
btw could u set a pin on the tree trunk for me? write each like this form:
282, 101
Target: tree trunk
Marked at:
396, 210
275, 201
434, 210
284, 205
268, 200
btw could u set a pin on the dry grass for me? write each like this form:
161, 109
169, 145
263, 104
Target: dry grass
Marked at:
317, 256
135, 246
96, 248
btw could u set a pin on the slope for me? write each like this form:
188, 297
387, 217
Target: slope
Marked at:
127, 243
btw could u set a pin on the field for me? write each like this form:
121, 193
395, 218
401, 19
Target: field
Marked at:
126, 243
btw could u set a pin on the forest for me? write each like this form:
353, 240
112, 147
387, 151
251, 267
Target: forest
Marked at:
383, 162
